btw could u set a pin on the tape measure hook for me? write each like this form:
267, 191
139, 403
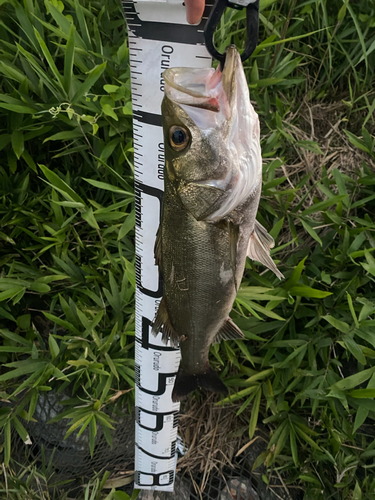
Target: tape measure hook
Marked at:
252, 26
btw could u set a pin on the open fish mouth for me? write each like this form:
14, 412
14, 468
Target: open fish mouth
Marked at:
206, 88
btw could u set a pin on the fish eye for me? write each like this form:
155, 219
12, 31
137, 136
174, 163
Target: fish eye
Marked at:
179, 137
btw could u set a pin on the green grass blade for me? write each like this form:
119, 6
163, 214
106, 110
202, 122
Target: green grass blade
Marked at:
69, 60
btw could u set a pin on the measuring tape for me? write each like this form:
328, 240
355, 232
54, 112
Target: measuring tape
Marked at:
159, 38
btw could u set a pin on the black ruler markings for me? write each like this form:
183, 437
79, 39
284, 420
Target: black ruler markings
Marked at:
172, 33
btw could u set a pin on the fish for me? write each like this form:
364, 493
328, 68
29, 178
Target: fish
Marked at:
212, 187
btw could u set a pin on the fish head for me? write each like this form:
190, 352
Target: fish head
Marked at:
212, 145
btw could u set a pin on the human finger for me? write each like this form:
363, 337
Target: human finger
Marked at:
194, 10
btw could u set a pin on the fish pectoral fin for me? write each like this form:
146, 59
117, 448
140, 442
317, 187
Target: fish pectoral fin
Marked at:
229, 331
163, 324
157, 248
260, 243
263, 235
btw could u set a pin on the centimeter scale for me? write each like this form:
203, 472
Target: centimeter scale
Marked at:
159, 38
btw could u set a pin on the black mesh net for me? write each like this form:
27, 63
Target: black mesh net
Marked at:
70, 464
68, 461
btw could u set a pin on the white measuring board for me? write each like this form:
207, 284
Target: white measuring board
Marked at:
159, 38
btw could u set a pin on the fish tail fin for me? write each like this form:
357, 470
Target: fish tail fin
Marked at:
188, 382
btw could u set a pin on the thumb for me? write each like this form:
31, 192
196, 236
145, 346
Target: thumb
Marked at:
194, 10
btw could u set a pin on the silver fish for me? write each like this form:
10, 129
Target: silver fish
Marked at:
212, 182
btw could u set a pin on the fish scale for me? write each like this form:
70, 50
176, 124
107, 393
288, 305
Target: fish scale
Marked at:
199, 256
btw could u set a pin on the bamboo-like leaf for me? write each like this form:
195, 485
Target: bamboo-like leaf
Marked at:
22, 432
295, 277
64, 136
53, 346
339, 325
18, 108
83, 25
92, 434
49, 59
238, 395
307, 291
78, 423
291, 356
127, 225
245, 404
104, 419
18, 143
86, 85
351, 307
69, 60
322, 205
255, 412
354, 349
39, 287
253, 306
89, 217
10, 293
30, 367
311, 232
108, 187
293, 445
63, 323
283, 438
60, 186
362, 393
354, 380
4, 332
360, 417
306, 437
111, 365
7, 442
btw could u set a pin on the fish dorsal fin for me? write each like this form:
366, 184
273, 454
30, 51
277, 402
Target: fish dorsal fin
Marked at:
233, 241
157, 248
163, 324
229, 331
259, 247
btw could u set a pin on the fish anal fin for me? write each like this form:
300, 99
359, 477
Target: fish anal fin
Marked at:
260, 243
229, 331
163, 324
157, 248
189, 382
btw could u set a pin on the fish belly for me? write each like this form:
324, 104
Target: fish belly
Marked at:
199, 288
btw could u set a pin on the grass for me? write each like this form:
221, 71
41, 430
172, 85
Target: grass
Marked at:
306, 370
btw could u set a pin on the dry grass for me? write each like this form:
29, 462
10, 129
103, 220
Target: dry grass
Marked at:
208, 432
324, 124
216, 438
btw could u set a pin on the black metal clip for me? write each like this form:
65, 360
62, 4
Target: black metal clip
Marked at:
252, 28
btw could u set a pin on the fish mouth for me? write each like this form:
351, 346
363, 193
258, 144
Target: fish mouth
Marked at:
205, 88
199, 88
